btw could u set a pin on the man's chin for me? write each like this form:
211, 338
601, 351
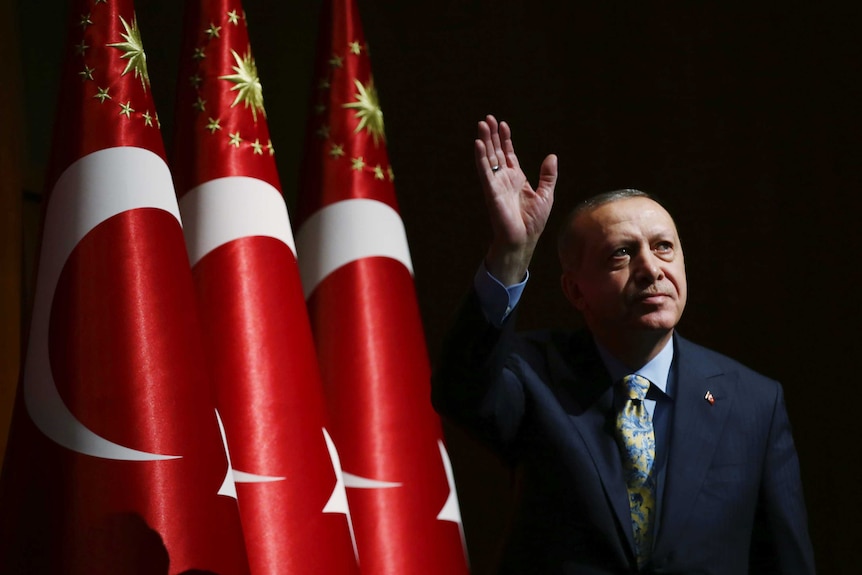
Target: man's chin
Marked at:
659, 324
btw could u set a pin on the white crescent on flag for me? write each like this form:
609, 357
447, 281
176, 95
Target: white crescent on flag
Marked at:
95, 188
226, 209
348, 231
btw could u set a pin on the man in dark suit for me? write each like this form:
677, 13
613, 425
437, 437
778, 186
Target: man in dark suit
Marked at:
711, 485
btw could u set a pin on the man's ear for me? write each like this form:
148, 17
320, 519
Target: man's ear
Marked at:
572, 290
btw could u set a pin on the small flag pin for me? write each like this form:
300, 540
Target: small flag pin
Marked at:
709, 397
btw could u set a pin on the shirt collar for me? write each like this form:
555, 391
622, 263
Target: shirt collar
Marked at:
657, 370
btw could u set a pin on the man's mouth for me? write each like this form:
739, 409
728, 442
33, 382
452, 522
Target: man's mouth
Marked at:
651, 298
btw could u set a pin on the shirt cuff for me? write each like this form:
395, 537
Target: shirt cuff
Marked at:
497, 301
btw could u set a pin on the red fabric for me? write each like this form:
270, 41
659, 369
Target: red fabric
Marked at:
82, 126
369, 334
203, 154
126, 358
326, 178
258, 337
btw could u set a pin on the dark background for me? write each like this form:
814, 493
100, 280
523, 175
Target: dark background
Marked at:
744, 119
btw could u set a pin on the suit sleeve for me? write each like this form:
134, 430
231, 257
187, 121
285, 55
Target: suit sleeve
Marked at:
781, 543
470, 384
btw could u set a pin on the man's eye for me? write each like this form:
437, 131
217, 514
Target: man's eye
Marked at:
621, 252
664, 247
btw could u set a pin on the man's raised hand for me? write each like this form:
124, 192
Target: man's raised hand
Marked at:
518, 212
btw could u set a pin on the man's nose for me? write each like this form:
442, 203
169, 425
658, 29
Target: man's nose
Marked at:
647, 267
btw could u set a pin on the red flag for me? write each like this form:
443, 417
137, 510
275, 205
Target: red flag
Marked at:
11, 214
115, 457
357, 275
258, 338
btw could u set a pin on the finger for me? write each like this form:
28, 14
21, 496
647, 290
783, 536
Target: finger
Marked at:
495, 152
548, 176
483, 131
507, 147
483, 166
492, 122
484, 135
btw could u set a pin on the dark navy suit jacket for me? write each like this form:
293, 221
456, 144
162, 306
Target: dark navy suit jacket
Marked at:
732, 501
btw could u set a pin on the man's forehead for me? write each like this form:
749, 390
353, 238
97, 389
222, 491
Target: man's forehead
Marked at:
627, 217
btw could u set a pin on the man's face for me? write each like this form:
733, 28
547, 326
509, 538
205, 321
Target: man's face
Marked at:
630, 276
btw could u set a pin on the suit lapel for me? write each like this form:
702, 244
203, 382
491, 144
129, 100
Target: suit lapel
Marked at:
696, 429
584, 389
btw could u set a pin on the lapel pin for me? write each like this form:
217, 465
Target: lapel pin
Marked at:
709, 397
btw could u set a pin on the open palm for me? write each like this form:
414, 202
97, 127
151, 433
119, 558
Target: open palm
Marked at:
518, 212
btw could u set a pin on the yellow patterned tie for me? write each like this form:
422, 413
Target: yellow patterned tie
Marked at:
637, 441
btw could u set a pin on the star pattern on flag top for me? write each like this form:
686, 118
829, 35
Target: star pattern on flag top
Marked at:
239, 84
99, 73
345, 69
133, 51
225, 100
247, 84
107, 100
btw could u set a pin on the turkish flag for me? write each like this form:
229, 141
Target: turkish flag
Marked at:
115, 458
257, 334
357, 275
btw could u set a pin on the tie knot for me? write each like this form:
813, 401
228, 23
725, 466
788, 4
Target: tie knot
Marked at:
636, 386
